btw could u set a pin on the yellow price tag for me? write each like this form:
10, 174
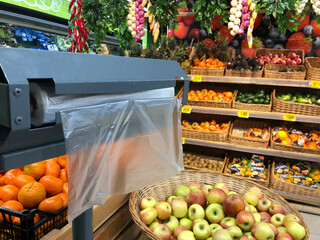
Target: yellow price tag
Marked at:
196, 78
186, 109
183, 140
289, 117
315, 84
243, 114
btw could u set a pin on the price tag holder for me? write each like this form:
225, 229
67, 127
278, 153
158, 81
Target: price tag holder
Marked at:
196, 78
243, 114
315, 84
183, 140
290, 117
186, 109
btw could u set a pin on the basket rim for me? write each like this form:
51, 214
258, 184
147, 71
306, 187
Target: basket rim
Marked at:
275, 99
248, 105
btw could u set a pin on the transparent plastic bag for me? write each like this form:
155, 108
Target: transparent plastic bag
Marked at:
120, 147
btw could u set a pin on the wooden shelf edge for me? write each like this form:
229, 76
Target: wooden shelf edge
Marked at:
257, 81
253, 114
298, 198
262, 151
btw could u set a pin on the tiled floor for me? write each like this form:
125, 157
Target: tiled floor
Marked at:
313, 222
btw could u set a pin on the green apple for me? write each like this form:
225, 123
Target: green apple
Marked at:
221, 234
277, 220
216, 195
206, 189
194, 185
247, 233
172, 222
182, 190
179, 208
178, 230
251, 198
171, 198
296, 230
228, 222
186, 222
232, 192
257, 217
214, 212
281, 229
146, 202
222, 186
186, 235
235, 232
163, 232
291, 218
147, 215
195, 211
153, 225
257, 191
201, 230
214, 227
262, 231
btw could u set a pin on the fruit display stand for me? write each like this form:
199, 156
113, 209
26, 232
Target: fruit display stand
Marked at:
162, 191
277, 85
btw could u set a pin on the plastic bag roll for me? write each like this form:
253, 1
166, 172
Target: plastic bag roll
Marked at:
45, 103
120, 147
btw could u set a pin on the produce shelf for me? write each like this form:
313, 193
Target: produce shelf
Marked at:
262, 151
299, 198
257, 81
253, 114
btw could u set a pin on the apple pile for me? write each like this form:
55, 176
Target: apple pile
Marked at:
198, 212
283, 59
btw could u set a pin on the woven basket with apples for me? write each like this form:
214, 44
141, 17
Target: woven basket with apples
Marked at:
212, 206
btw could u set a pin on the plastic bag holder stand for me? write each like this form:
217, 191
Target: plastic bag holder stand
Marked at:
82, 226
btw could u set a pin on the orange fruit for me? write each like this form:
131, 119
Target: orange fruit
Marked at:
52, 160
52, 169
13, 205
36, 218
53, 185
62, 160
9, 176
31, 194
35, 170
65, 188
1, 181
196, 62
202, 65
63, 175
228, 94
8, 192
22, 180
64, 198
51, 204
312, 144
1, 202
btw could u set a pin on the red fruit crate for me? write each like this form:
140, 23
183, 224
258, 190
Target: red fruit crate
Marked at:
21, 225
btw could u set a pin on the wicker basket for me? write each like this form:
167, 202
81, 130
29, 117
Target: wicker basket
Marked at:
247, 73
299, 126
313, 68
216, 155
263, 51
163, 190
277, 184
253, 107
264, 183
207, 71
203, 135
239, 127
209, 103
296, 108
272, 71
186, 70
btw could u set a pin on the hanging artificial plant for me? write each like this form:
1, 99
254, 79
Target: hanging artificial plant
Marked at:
106, 16
77, 31
204, 11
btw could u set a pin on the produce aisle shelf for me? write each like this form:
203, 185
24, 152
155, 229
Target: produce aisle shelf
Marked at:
296, 197
257, 81
253, 114
262, 151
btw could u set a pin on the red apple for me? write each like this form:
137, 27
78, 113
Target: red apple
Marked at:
216, 195
233, 204
245, 220
181, 30
291, 218
222, 186
196, 196
164, 210
284, 236
228, 222
147, 215
262, 231
276, 208
265, 217
247, 237
194, 33
206, 189
263, 204
163, 232
194, 185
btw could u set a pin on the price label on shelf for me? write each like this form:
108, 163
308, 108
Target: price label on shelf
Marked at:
243, 114
290, 117
186, 109
183, 140
196, 78
315, 84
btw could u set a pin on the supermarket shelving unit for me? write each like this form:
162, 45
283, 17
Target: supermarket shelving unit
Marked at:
258, 115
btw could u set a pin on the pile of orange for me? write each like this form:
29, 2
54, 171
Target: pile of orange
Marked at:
210, 95
208, 63
212, 126
42, 185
